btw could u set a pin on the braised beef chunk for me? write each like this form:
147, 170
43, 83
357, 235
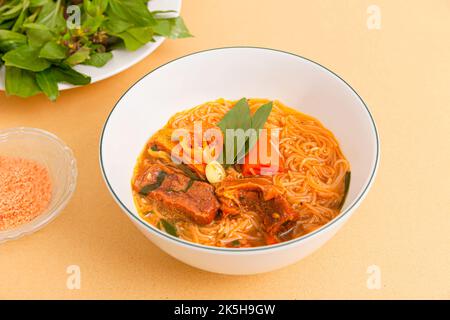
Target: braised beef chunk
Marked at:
258, 195
174, 193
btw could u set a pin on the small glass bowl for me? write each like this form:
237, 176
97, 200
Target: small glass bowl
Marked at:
49, 150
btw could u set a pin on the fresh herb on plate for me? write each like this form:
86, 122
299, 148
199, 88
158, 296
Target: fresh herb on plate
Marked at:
40, 43
239, 118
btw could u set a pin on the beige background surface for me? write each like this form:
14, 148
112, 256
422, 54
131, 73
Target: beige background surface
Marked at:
402, 72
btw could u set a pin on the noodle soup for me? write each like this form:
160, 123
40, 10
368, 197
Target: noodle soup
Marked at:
284, 181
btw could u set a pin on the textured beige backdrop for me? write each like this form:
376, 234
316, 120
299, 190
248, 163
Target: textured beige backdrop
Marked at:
402, 72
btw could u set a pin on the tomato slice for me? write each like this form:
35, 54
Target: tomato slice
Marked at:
268, 161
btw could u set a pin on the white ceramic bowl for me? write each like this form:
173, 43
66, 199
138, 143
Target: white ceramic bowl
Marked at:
233, 73
123, 59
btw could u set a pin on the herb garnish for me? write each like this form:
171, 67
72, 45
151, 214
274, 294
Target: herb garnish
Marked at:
150, 187
235, 243
189, 185
170, 228
186, 170
347, 178
239, 118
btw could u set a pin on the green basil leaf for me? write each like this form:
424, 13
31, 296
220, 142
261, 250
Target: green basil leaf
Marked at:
170, 228
38, 34
189, 185
92, 24
98, 59
116, 26
153, 186
240, 120
11, 10
237, 118
53, 51
20, 82
38, 3
95, 7
258, 120
261, 115
235, 243
51, 15
133, 11
66, 74
11, 40
80, 56
26, 58
21, 18
134, 38
188, 172
348, 176
173, 28
242, 149
6, 25
48, 84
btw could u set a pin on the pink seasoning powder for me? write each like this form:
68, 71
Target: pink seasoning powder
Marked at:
25, 191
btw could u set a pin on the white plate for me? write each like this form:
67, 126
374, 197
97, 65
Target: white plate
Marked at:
122, 59
233, 73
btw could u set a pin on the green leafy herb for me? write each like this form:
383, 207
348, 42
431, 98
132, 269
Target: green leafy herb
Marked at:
150, 187
347, 178
80, 56
235, 243
187, 171
98, 59
48, 84
38, 35
10, 40
25, 58
135, 11
51, 15
240, 120
53, 51
261, 115
134, 38
20, 82
65, 74
258, 120
189, 185
170, 228
95, 7
154, 147
173, 28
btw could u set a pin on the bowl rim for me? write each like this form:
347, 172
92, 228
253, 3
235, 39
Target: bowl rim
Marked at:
273, 247
37, 224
